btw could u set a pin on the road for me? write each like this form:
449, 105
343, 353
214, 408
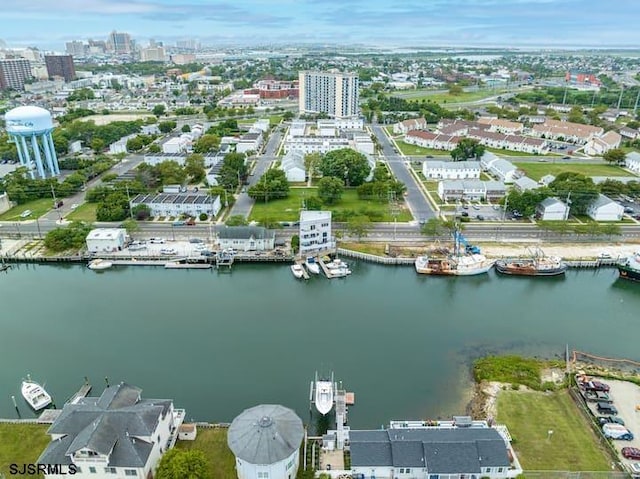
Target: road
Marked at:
417, 202
244, 202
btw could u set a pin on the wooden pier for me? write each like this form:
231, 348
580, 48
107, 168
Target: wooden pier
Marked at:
84, 390
305, 273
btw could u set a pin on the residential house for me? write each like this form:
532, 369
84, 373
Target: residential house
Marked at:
525, 183
502, 169
602, 144
473, 190
574, 132
426, 139
451, 170
315, 232
293, 166
629, 133
246, 238
448, 450
176, 145
632, 162
118, 434
552, 209
500, 125
546, 180
249, 142
605, 209
178, 204
404, 127
106, 240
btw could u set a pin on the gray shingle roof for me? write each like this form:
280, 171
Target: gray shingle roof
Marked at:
113, 424
245, 232
265, 434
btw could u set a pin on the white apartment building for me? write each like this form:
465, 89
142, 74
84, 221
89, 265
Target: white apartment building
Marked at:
315, 232
334, 93
451, 170
169, 204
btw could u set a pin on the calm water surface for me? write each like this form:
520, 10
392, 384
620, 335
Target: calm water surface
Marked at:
218, 343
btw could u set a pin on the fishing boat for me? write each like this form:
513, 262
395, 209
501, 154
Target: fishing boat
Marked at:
99, 264
629, 268
34, 394
297, 270
323, 397
537, 264
465, 260
312, 265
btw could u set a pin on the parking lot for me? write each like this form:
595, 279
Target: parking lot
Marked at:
625, 396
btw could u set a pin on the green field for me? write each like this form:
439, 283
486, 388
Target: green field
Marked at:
21, 444
500, 151
535, 171
413, 150
37, 207
213, 442
531, 415
288, 209
84, 212
428, 95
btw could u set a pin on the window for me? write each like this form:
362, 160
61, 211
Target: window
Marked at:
499, 469
130, 472
110, 470
92, 470
263, 475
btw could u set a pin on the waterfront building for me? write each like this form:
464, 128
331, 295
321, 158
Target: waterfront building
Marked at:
451, 170
334, 93
60, 66
442, 450
118, 434
190, 204
246, 238
30, 128
315, 232
106, 240
552, 209
266, 441
604, 208
13, 73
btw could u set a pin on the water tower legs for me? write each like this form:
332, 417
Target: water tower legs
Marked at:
36, 152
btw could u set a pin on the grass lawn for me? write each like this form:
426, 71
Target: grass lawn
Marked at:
412, 95
500, 151
413, 150
530, 415
288, 209
38, 208
274, 119
21, 444
213, 442
535, 171
84, 212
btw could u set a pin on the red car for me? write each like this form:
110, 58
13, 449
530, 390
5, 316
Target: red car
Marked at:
631, 452
596, 386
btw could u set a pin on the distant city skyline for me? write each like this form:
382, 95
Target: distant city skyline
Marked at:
49, 24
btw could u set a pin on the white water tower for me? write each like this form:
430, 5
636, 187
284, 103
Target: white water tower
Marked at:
30, 127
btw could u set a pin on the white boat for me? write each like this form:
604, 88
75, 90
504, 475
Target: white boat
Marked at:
336, 264
35, 394
297, 270
340, 272
324, 395
312, 265
99, 264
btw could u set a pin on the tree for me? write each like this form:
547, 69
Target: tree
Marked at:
158, 110
433, 227
287, 115
467, 148
312, 203
233, 170
455, 90
616, 156
135, 144
206, 143
185, 128
359, 226
311, 162
167, 126
203, 217
194, 167
183, 464
131, 225
579, 189
272, 185
330, 189
236, 220
97, 144
72, 237
295, 243
612, 187
114, 207
154, 148
526, 202
347, 164
141, 212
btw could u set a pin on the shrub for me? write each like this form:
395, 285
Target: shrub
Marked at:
203, 217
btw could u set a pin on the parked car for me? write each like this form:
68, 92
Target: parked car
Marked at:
607, 409
602, 420
630, 452
597, 396
475, 207
168, 251
597, 385
195, 240
422, 221
465, 207
74, 206
480, 217
566, 157
156, 240
179, 223
465, 213
617, 431
190, 222
628, 210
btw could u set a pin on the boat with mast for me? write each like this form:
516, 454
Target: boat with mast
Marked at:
536, 264
465, 260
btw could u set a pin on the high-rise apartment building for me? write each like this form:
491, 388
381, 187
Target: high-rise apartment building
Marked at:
76, 48
152, 54
14, 72
60, 66
333, 93
119, 42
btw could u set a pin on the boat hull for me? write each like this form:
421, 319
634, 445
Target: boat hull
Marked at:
528, 270
452, 271
99, 265
628, 273
324, 397
297, 272
35, 395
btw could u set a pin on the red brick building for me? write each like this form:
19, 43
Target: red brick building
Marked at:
275, 89
581, 78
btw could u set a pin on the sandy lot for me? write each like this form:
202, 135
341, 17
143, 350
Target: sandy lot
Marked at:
104, 119
566, 251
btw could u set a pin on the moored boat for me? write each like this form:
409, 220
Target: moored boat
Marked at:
323, 398
536, 265
99, 264
466, 260
297, 270
312, 265
630, 267
34, 394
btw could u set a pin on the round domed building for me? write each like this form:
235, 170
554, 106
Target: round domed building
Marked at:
266, 442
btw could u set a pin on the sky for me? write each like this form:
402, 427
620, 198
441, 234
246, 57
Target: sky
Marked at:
500, 23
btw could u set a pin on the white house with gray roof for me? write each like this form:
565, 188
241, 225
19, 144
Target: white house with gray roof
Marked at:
502, 169
525, 183
246, 238
632, 162
293, 166
552, 209
471, 190
604, 208
451, 170
445, 450
118, 434
177, 204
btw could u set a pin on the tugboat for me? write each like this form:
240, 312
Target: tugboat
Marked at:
630, 267
536, 265
466, 260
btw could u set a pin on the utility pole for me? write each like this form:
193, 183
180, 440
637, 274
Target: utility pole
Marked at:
620, 98
55, 202
635, 107
129, 200
566, 215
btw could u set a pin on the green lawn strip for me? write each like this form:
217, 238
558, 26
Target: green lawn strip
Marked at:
446, 97
500, 151
21, 444
288, 209
274, 120
84, 212
213, 443
37, 207
535, 171
414, 150
529, 416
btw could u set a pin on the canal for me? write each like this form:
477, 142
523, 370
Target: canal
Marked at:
217, 343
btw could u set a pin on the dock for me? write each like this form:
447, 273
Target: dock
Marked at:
84, 390
327, 272
305, 273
